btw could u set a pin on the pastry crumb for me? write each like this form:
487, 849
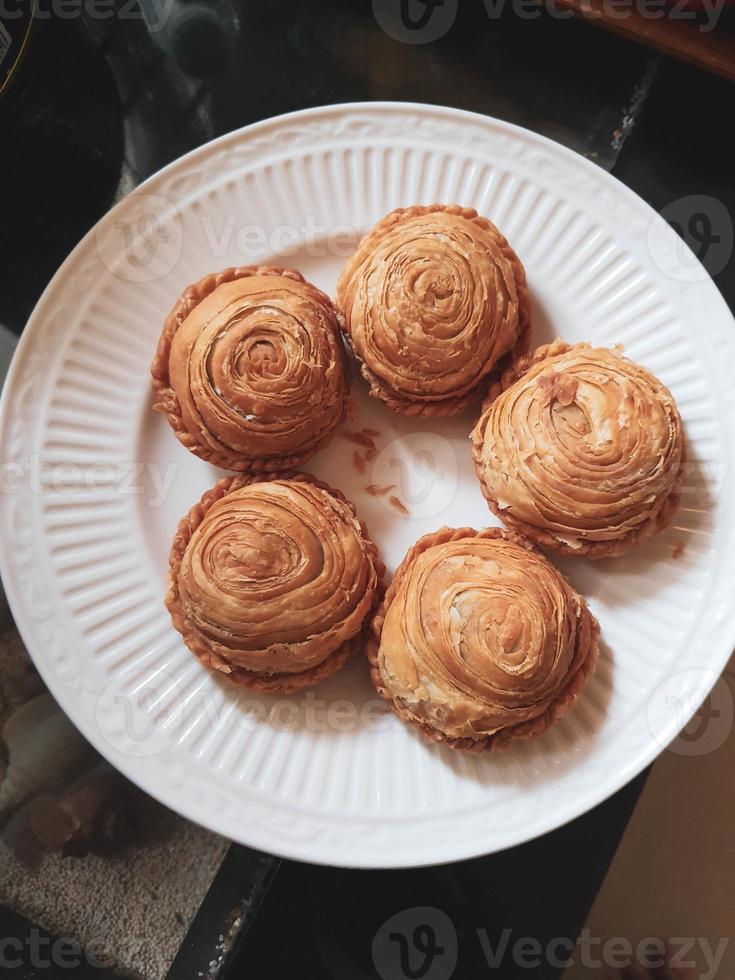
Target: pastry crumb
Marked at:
399, 505
362, 438
375, 490
677, 550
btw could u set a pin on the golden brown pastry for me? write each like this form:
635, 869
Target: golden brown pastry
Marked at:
432, 300
270, 583
250, 369
479, 640
581, 450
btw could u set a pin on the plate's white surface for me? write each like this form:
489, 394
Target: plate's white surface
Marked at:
94, 484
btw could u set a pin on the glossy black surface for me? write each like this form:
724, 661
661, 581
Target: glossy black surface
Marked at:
61, 152
339, 927
110, 99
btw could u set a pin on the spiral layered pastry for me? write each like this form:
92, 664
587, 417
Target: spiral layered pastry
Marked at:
250, 369
431, 302
270, 583
479, 641
581, 450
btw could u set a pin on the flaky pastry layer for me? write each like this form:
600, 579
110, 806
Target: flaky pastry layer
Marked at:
581, 450
250, 370
272, 581
479, 641
432, 303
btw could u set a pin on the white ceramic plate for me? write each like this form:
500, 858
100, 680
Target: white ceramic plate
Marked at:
94, 484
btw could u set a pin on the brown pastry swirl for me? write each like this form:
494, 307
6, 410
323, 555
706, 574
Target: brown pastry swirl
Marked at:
250, 369
479, 640
581, 450
270, 583
432, 300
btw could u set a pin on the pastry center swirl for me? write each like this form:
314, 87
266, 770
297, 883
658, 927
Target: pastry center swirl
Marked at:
498, 627
249, 557
432, 294
250, 354
264, 358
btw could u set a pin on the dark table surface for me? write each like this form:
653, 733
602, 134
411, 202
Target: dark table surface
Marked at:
102, 104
